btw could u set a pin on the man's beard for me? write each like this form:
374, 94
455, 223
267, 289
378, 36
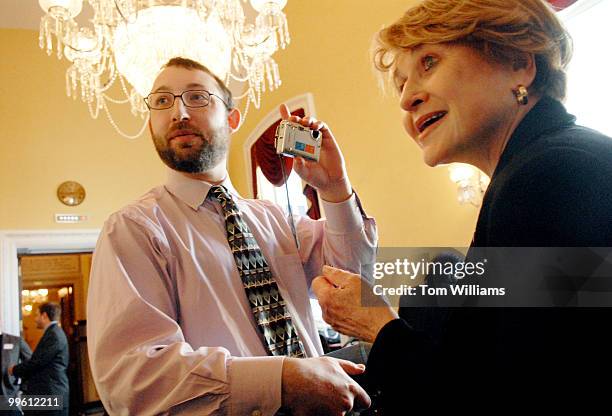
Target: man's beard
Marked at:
212, 150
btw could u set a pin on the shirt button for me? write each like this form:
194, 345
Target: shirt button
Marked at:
256, 413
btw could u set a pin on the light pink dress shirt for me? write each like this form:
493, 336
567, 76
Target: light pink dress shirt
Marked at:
169, 326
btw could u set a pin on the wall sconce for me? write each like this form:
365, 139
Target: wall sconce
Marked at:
471, 183
65, 291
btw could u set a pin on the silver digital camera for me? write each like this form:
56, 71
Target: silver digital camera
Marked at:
293, 139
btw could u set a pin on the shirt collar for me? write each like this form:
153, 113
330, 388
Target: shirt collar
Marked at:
547, 115
193, 192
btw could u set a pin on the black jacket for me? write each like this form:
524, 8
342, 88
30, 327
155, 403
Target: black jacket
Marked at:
45, 373
552, 188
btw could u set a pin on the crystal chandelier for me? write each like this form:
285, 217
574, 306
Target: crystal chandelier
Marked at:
130, 40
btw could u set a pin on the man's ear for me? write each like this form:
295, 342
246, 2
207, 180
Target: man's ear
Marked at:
233, 119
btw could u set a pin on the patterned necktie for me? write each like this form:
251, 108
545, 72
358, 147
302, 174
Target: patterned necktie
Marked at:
267, 304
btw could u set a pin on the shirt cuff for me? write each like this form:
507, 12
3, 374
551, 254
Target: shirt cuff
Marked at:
343, 217
255, 385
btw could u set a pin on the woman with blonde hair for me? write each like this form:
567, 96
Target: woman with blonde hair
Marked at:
481, 82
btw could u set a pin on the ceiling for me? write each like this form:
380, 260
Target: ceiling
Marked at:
20, 14
26, 14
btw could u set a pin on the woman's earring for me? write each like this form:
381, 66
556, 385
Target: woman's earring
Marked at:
521, 94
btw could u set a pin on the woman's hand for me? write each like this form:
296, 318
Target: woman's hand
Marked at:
341, 298
328, 175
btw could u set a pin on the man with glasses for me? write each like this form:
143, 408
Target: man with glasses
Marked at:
198, 298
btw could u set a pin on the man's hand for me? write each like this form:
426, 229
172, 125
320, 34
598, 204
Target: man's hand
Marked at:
10, 370
340, 296
328, 175
320, 386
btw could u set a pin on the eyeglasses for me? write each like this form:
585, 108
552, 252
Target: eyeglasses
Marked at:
191, 98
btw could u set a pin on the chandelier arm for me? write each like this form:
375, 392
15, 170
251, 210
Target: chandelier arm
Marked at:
68, 42
238, 78
77, 49
121, 13
107, 65
109, 83
244, 94
69, 46
107, 59
93, 112
244, 113
123, 87
256, 44
115, 101
257, 102
118, 130
101, 69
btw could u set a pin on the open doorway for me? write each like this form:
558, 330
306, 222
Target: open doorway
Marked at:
32, 297
61, 278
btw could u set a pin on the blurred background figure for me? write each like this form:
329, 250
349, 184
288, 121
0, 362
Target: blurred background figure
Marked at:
13, 350
46, 371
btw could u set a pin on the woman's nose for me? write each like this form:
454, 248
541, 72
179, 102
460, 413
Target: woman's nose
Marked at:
411, 99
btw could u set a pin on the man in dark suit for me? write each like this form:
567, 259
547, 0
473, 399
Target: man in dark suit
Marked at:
13, 350
45, 373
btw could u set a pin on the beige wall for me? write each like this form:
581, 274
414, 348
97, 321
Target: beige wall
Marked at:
47, 138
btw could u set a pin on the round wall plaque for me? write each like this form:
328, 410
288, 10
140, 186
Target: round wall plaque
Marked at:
71, 193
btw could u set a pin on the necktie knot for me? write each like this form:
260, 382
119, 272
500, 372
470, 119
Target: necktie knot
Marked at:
220, 193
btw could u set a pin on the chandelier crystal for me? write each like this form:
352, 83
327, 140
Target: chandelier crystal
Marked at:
130, 40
